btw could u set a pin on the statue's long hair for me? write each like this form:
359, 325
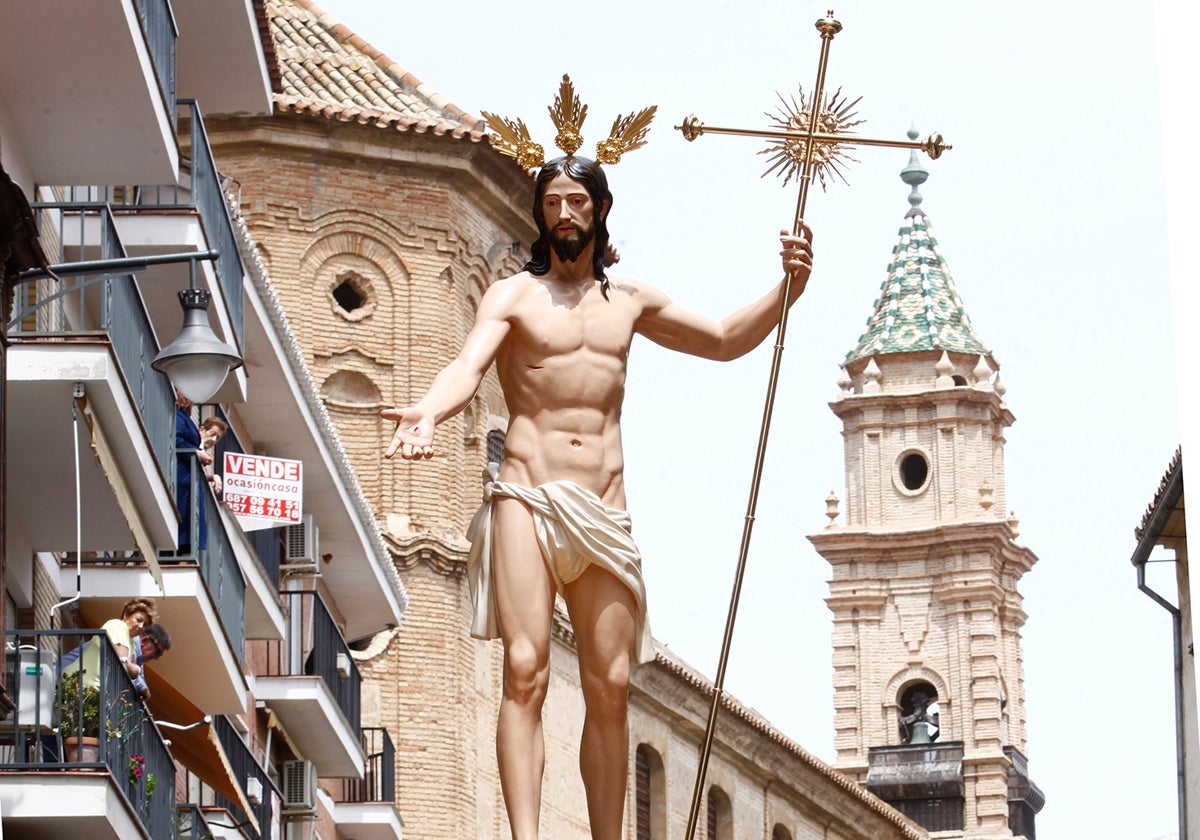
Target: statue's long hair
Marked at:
588, 173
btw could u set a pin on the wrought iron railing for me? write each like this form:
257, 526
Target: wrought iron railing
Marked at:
190, 823
85, 719
209, 198
242, 767
378, 783
104, 305
158, 26
208, 545
199, 189
266, 542
214, 554
314, 646
268, 549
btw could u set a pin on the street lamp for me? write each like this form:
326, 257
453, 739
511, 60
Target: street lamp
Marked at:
197, 362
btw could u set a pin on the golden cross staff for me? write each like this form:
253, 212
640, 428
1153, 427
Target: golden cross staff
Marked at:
809, 139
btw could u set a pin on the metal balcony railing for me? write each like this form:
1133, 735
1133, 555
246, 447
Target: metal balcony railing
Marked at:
107, 306
214, 555
314, 646
242, 767
266, 542
209, 199
378, 783
268, 549
200, 191
190, 823
56, 722
161, 33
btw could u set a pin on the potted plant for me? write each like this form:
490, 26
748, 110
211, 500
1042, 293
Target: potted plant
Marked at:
79, 718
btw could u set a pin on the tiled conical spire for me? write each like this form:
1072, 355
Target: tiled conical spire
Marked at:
918, 307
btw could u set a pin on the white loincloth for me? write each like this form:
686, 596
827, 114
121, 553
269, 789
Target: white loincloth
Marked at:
574, 530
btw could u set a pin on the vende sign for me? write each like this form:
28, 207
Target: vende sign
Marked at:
263, 488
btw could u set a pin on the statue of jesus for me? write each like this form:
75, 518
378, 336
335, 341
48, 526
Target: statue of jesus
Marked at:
554, 519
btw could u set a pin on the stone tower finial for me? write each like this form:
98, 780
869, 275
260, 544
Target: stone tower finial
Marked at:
914, 175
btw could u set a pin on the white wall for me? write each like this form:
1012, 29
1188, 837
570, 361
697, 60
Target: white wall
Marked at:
1179, 70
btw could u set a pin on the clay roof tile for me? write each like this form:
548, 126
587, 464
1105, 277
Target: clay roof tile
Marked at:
327, 69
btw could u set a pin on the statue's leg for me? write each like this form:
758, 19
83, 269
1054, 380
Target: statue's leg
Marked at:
525, 603
602, 616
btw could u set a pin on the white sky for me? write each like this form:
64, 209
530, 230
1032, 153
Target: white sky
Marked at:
1049, 211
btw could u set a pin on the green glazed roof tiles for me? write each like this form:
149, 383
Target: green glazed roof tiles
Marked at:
918, 306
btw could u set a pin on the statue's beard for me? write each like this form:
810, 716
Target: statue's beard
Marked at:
568, 247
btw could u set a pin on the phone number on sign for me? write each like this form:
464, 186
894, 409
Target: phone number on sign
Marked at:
259, 506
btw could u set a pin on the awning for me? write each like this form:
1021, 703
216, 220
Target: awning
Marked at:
196, 749
108, 463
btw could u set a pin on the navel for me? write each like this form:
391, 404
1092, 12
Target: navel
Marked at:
576, 442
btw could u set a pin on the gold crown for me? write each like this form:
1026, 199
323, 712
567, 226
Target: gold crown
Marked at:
512, 138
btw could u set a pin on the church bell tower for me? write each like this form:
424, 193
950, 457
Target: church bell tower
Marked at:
929, 687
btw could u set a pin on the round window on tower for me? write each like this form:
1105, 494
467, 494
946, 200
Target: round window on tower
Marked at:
352, 296
912, 472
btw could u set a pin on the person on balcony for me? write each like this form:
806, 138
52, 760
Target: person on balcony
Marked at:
152, 643
212, 429
137, 615
188, 447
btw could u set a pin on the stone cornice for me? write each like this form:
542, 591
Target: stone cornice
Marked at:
444, 557
840, 544
955, 589
867, 596
850, 404
486, 179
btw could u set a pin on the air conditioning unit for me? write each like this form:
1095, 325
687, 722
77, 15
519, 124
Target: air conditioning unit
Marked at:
301, 550
299, 785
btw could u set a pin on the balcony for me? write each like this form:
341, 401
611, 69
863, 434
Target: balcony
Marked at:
121, 787
181, 216
201, 598
255, 817
365, 808
80, 380
221, 61
1025, 799
313, 686
923, 781
92, 332
89, 90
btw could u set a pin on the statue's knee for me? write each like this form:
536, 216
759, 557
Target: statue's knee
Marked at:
526, 673
608, 693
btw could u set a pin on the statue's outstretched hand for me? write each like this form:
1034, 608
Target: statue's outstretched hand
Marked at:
413, 437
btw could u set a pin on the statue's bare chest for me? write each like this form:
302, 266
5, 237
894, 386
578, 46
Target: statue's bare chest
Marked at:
590, 325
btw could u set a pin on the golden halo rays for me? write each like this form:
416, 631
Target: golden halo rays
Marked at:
836, 116
512, 138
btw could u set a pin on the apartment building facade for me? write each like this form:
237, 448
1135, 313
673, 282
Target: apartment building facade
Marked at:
113, 205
